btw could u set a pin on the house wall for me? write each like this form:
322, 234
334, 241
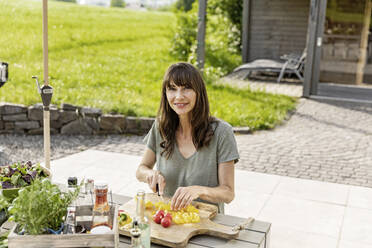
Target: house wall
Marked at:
277, 27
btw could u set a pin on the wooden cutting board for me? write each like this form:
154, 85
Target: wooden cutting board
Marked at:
179, 235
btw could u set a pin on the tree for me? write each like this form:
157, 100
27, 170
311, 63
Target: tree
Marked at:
117, 3
184, 5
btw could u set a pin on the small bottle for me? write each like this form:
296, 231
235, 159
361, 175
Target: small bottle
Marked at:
143, 222
135, 233
70, 222
101, 209
72, 183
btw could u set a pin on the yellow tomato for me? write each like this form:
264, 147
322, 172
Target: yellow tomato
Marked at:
186, 217
149, 205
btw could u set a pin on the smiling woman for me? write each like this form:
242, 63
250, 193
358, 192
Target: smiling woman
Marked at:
195, 153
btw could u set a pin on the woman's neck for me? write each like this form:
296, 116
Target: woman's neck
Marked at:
184, 129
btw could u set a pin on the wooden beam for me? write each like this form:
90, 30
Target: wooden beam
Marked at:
245, 31
363, 43
201, 34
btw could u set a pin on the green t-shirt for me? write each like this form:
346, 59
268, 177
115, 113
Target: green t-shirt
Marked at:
201, 168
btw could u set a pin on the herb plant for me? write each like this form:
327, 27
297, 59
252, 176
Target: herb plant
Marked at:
40, 206
20, 175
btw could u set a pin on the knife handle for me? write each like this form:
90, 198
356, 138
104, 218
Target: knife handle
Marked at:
157, 189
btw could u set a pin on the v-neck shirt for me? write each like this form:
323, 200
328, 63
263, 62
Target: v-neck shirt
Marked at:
201, 168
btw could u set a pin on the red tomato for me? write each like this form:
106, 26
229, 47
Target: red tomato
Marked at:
168, 215
166, 222
157, 219
160, 213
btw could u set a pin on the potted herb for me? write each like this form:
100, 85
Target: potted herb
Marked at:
41, 206
3, 210
18, 175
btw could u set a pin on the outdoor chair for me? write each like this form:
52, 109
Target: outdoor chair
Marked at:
292, 63
3, 73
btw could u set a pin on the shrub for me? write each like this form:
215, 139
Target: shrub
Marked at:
117, 3
222, 41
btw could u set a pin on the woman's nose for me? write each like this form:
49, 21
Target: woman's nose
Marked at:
179, 94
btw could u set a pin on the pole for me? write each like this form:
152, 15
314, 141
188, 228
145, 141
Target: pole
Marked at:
200, 49
363, 43
46, 112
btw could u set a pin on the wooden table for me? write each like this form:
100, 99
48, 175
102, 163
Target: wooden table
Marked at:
256, 235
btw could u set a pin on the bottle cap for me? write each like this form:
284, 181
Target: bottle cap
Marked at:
72, 181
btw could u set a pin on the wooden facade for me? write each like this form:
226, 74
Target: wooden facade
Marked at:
277, 27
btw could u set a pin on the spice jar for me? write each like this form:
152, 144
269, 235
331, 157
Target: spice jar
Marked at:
101, 209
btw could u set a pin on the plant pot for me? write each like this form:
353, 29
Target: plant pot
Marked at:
59, 231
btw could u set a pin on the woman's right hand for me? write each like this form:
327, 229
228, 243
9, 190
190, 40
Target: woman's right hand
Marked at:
153, 178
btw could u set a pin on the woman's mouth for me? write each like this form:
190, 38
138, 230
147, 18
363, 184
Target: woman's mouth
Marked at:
180, 105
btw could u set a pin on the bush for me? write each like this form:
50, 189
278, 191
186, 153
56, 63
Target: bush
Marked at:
117, 3
222, 41
184, 5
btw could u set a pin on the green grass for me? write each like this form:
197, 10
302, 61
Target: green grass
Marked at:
109, 58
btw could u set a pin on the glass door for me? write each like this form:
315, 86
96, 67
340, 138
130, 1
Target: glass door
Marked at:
346, 52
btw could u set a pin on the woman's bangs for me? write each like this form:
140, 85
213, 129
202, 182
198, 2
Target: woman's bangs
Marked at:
179, 78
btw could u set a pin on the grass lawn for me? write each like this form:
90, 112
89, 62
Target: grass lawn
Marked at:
109, 58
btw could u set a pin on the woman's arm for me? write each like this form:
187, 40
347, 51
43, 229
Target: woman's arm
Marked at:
222, 193
146, 174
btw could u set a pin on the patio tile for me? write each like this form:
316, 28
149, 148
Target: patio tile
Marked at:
357, 226
255, 182
246, 204
360, 197
313, 190
284, 237
303, 215
348, 244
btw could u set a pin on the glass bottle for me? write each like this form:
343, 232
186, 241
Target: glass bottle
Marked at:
143, 222
135, 233
101, 209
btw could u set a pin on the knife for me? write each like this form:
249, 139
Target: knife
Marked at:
157, 190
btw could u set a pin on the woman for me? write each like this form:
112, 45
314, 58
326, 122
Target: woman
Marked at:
194, 152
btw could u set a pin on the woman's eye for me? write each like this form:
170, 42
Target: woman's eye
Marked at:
188, 87
171, 88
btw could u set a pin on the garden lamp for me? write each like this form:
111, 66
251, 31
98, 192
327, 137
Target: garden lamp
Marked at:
46, 91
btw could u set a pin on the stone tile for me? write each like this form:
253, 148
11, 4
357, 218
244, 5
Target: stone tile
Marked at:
255, 182
303, 215
285, 237
357, 226
349, 244
360, 197
246, 204
313, 190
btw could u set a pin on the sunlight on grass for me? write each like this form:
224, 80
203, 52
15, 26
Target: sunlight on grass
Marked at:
109, 58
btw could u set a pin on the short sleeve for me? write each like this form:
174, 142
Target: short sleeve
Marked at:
227, 147
150, 138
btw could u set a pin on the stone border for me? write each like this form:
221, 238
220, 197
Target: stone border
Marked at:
73, 120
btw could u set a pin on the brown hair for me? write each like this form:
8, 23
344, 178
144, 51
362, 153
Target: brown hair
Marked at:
184, 74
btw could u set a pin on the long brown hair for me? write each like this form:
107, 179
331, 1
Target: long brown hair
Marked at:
186, 75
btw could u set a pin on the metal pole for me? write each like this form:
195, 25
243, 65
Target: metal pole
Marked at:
201, 34
46, 111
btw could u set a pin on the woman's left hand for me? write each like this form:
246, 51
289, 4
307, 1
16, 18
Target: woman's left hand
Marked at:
184, 196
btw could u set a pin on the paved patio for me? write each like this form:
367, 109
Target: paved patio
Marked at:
303, 213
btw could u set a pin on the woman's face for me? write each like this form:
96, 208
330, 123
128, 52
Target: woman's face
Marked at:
181, 99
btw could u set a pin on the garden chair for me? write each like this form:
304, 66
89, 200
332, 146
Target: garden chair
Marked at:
293, 63
3, 73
